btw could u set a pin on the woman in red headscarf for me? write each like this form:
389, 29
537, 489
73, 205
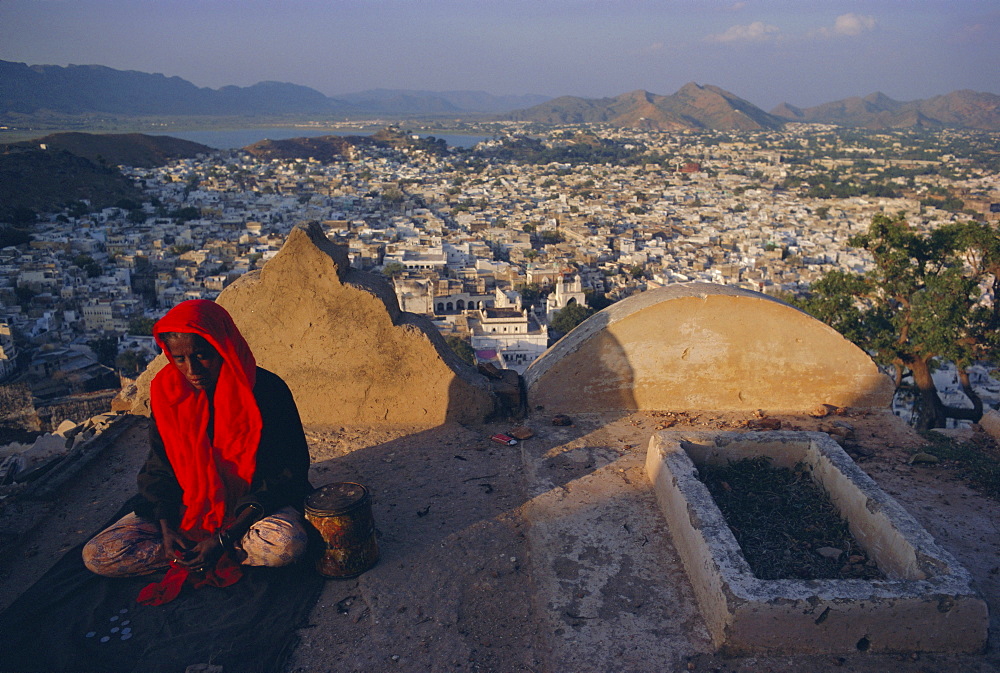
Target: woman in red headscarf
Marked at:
228, 466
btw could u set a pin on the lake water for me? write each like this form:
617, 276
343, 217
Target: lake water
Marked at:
236, 138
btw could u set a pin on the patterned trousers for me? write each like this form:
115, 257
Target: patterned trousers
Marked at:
133, 546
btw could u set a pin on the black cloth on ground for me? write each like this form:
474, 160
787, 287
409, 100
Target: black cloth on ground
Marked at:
73, 621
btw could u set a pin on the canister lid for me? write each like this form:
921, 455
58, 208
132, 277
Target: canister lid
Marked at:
336, 497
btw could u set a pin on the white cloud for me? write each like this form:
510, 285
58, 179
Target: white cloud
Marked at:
758, 31
850, 25
853, 24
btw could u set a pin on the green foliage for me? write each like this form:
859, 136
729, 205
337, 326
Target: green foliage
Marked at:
550, 237
393, 269
393, 195
13, 236
921, 301
22, 216
976, 461
141, 326
78, 209
130, 363
106, 350
186, 214
462, 349
530, 293
24, 296
832, 299
583, 149
597, 300
87, 263
950, 203
569, 317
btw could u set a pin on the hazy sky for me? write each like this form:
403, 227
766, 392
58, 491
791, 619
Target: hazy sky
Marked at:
804, 52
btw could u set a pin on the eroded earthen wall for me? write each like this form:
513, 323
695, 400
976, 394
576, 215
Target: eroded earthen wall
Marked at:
339, 340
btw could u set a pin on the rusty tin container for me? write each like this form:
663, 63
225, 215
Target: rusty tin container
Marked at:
342, 514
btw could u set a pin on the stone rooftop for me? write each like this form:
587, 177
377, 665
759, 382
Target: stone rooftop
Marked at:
548, 556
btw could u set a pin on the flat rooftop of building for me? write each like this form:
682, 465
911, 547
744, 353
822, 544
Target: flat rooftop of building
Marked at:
551, 555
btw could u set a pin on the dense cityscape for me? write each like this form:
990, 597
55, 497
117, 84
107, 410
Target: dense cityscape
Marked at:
505, 245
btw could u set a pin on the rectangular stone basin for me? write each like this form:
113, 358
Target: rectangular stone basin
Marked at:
927, 602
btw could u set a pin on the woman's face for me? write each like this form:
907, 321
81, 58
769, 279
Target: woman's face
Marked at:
198, 361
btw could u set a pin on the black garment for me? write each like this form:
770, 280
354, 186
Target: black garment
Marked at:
72, 620
282, 474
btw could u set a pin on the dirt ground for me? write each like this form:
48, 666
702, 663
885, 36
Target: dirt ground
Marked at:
549, 556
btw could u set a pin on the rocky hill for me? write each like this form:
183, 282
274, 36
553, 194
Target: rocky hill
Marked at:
335, 148
321, 148
692, 107
120, 149
958, 109
59, 169
39, 180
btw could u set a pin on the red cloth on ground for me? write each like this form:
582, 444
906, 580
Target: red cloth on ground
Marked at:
226, 572
182, 414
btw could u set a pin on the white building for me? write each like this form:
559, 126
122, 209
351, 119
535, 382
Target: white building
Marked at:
98, 316
564, 294
507, 336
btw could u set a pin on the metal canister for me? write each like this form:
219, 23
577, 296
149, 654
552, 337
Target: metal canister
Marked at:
342, 514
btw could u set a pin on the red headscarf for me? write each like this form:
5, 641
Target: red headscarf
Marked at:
182, 414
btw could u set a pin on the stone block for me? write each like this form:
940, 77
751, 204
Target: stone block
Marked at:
990, 423
927, 602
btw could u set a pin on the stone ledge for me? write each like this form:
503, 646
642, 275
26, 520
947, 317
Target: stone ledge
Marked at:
927, 604
990, 423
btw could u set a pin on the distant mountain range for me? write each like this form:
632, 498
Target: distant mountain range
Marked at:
78, 89
90, 89
432, 103
958, 109
692, 107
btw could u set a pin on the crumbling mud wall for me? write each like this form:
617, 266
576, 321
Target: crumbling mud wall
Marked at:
17, 407
704, 346
337, 337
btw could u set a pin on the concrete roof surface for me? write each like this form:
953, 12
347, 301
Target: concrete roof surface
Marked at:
549, 556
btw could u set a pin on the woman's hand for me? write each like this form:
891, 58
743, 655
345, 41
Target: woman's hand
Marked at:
203, 556
175, 545
200, 557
